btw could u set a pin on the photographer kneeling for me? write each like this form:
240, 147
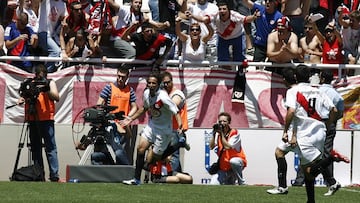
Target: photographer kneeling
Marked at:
232, 159
39, 95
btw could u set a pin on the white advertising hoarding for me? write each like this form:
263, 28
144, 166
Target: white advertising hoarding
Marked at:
259, 146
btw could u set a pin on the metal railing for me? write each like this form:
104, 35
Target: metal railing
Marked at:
175, 62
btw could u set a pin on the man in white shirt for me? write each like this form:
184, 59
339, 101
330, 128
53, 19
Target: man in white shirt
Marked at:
51, 13
158, 133
307, 107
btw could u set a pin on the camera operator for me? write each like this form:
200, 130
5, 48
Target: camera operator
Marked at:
39, 113
123, 96
232, 159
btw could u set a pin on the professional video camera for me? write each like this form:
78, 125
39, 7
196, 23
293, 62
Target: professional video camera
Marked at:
99, 116
31, 87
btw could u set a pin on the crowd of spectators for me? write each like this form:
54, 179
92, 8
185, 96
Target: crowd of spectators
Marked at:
316, 31
305, 31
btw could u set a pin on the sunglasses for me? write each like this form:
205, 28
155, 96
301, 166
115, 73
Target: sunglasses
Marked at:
195, 29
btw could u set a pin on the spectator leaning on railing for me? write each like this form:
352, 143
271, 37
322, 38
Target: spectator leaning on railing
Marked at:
205, 8
18, 39
282, 45
71, 24
148, 43
230, 29
51, 13
194, 44
265, 23
350, 34
332, 44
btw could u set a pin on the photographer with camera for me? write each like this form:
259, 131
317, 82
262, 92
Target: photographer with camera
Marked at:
232, 159
39, 95
121, 95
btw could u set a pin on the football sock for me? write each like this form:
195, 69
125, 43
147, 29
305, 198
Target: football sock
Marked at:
319, 166
139, 165
310, 190
329, 179
282, 170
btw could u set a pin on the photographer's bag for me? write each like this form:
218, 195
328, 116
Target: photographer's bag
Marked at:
215, 167
29, 173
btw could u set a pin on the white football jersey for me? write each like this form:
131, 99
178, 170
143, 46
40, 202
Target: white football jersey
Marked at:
311, 106
161, 109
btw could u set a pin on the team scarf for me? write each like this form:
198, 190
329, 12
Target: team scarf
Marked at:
153, 47
128, 20
100, 18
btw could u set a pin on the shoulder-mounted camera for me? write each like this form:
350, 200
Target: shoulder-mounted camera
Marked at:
31, 87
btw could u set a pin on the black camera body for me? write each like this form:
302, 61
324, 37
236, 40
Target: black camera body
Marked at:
218, 127
98, 116
31, 87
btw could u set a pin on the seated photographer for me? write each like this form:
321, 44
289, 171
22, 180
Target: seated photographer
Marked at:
39, 95
232, 159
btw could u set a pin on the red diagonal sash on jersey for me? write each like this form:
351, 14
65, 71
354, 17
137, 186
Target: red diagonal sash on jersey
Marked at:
311, 111
100, 18
155, 45
229, 29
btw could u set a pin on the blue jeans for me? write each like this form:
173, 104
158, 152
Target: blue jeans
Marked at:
48, 44
175, 157
117, 143
237, 49
44, 130
103, 158
154, 8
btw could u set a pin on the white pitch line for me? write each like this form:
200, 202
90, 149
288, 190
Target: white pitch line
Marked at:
350, 190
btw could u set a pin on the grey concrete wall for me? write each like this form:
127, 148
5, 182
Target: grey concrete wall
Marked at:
10, 135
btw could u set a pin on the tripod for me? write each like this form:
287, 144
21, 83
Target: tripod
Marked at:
23, 137
31, 172
99, 142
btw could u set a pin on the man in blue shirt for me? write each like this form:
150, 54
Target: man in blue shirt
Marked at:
18, 39
264, 23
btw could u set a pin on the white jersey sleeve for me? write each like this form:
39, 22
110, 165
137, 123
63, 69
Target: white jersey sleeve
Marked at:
235, 142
